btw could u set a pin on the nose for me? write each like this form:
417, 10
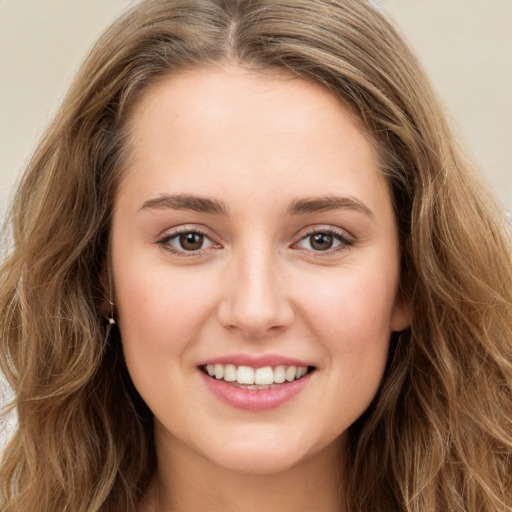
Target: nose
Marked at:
254, 296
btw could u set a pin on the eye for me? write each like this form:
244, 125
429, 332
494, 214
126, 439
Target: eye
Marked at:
186, 241
325, 240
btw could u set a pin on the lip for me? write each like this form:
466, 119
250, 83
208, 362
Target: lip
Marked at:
255, 361
255, 399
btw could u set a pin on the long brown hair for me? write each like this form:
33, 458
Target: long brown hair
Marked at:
438, 435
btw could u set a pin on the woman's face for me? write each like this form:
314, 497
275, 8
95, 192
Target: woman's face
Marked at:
253, 234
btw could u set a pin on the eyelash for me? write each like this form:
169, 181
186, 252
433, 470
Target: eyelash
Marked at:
345, 242
164, 242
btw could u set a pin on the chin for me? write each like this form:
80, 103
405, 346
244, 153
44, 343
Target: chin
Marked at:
265, 454
258, 462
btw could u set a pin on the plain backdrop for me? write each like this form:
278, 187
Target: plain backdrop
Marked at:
465, 45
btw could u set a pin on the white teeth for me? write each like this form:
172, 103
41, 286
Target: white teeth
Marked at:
245, 375
265, 376
219, 371
280, 374
230, 373
291, 373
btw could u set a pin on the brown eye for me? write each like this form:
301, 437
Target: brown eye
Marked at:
191, 241
186, 242
321, 241
328, 241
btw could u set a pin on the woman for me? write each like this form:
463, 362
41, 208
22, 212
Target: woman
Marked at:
251, 269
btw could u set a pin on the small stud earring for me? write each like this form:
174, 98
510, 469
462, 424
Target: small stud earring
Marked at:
110, 317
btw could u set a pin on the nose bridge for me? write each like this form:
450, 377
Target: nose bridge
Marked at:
254, 300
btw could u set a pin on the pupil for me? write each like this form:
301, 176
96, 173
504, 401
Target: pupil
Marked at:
322, 241
191, 241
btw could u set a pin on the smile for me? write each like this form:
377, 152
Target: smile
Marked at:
255, 388
256, 378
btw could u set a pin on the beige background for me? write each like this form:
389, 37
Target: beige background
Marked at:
466, 46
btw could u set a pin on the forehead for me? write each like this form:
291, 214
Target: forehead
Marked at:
231, 97
204, 129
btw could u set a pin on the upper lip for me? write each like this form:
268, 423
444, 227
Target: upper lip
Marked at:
255, 361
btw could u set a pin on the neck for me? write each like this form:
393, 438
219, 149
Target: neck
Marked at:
186, 482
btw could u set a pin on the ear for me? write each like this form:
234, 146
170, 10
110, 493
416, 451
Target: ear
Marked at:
401, 316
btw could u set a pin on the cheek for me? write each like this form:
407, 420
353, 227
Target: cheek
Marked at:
353, 312
160, 314
351, 317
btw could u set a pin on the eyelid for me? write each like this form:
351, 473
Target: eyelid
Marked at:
346, 239
163, 240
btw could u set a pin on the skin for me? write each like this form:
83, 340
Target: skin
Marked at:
257, 143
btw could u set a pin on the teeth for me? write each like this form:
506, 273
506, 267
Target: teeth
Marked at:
255, 377
230, 373
291, 373
301, 372
219, 371
280, 374
264, 375
245, 375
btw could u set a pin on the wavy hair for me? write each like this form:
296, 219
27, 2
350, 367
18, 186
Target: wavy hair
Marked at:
439, 434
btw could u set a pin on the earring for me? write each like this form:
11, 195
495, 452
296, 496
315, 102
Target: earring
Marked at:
110, 317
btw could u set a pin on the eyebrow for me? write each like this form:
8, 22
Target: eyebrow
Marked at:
186, 202
215, 207
324, 204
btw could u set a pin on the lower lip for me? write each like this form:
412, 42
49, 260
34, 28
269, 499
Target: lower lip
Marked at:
255, 399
